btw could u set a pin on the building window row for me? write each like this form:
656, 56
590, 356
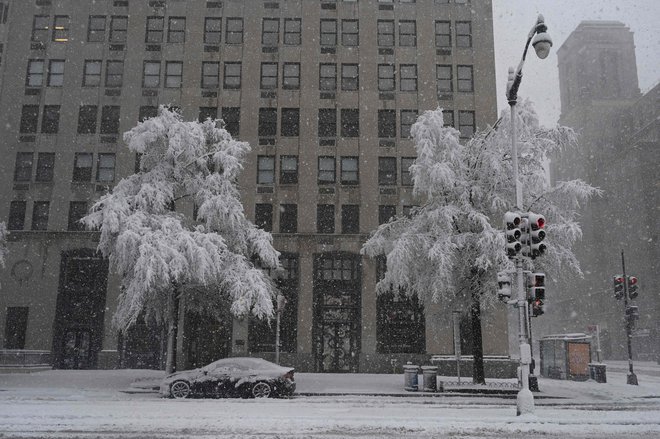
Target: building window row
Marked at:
325, 214
45, 164
17, 212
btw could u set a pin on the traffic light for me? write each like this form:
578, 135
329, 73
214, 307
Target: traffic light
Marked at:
536, 231
632, 314
618, 286
512, 231
503, 285
536, 293
632, 287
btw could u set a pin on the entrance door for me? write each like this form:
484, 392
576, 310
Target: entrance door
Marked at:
337, 299
77, 349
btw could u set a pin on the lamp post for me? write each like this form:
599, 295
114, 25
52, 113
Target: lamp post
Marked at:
541, 42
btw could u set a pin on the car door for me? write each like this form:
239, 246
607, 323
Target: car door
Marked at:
218, 381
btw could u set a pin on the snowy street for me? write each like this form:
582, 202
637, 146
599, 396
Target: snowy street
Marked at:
84, 404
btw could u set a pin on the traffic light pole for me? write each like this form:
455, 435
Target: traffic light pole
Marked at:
632, 378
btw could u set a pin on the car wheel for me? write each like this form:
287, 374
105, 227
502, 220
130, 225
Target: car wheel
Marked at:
180, 389
261, 390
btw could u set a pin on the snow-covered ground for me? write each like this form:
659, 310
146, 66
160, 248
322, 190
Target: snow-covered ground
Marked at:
75, 404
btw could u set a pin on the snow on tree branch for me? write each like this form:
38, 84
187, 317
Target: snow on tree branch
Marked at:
155, 249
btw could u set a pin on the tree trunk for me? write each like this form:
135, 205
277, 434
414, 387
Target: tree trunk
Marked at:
477, 341
172, 330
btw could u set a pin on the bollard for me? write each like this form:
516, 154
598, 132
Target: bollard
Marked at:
410, 377
430, 378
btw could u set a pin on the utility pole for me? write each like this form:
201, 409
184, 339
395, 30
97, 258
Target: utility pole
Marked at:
632, 378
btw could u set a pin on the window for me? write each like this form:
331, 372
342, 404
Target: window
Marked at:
268, 75
77, 210
443, 34
267, 122
105, 167
289, 169
61, 29
265, 169
325, 218
290, 122
173, 74
386, 80
327, 122
114, 74
291, 76
55, 72
87, 119
326, 170
385, 33
408, 118
408, 80
207, 113
329, 32
16, 327
118, 29
463, 34
407, 33
448, 118
466, 123
385, 213
263, 216
176, 30
50, 122
92, 73
40, 28
465, 79
349, 77
387, 171
151, 74
350, 122
210, 75
110, 119
270, 32
232, 119
349, 170
212, 30
292, 28
23, 167
35, 73
443, 79
16, 215
387, 124
328, 77
82, 167
234, 31
147, 112
40, 215
155, 29
288, 218
350, 218
406, 176
232, 78
350, 33
29, 119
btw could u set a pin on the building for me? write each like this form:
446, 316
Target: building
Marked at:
324, 90
618, 152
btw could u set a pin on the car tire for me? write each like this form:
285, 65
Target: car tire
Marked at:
180, 389
261, 390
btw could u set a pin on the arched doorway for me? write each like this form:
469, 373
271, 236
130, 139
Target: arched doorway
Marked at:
337, 317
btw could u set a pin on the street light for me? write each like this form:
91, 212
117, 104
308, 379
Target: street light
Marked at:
542, 44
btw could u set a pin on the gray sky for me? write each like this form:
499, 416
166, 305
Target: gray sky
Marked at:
514, 18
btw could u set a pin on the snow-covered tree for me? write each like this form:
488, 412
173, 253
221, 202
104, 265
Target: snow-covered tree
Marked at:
452, 246
160, 254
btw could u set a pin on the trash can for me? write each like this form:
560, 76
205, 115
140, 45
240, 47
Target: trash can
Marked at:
410, 377
430, 374
597, 372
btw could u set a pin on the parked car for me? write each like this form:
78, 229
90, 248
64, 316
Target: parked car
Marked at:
231, 377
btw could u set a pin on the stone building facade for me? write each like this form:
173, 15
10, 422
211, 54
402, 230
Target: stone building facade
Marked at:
618, 152
325, 91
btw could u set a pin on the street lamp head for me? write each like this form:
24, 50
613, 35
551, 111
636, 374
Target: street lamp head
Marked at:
542, 41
